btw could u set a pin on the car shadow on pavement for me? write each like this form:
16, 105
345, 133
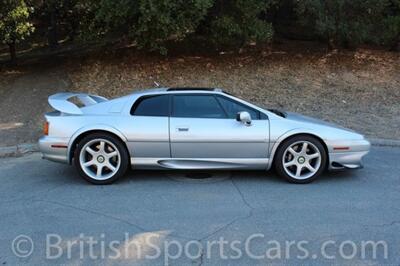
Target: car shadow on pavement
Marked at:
338, 175
218, 176
67, 174
207, 176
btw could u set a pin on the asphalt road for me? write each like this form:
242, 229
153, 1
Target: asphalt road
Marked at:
49, 215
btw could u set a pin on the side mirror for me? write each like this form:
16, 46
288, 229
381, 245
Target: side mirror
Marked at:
244, 117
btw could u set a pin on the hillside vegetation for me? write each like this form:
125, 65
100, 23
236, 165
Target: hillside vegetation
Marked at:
29, 26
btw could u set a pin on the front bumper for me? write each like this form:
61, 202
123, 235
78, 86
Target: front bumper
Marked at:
351, 159
54, 149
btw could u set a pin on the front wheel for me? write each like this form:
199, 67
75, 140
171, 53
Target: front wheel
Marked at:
101, 158
301, 159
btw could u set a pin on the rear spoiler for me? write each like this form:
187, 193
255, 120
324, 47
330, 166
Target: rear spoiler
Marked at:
60, 101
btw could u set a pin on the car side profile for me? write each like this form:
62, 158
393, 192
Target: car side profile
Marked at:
191, 128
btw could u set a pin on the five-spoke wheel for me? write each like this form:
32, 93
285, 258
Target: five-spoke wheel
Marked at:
101, 158
300, 159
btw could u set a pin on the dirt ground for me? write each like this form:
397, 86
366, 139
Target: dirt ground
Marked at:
356, 89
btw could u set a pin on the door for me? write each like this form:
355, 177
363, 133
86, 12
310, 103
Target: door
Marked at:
148, 128
204, 126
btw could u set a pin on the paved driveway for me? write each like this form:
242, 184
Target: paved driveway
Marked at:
240, 218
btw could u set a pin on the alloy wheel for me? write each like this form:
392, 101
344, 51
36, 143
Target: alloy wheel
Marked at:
301, 160
100, 159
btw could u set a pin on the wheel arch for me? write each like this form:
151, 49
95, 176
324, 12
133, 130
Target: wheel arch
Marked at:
281, 140
80, 134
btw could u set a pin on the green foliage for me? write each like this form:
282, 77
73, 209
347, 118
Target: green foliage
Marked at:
391, 35
107, 16
149, 22
391, 25
238, 22
160, 21
14, 21
59, 19
351, 22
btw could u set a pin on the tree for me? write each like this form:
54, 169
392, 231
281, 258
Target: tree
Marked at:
160, 21
14, 23
349, 23
391, 25
52, 9
238, 22
58, 18
105, 17
148, 22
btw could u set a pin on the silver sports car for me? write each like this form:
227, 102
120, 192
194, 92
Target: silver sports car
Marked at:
191, 128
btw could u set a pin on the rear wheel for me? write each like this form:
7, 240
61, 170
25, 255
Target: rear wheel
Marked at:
101, 158
301, 159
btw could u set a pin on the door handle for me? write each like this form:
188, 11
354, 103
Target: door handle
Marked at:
183, 129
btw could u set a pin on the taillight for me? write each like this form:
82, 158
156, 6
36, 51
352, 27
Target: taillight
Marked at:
46, 128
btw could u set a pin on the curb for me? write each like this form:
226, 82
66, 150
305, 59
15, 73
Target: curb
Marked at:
385, 142
18, 150
26, 148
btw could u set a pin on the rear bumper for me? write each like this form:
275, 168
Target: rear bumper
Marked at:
54, 149
351, 159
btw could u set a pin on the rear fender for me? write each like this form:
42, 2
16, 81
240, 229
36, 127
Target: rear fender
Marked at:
95, 127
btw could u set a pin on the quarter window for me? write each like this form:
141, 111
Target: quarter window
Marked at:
157, 105
197, 106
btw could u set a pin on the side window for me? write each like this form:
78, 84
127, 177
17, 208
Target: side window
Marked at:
157, 105
232, 107
197, 106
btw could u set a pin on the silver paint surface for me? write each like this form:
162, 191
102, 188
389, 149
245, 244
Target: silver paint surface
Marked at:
191, 143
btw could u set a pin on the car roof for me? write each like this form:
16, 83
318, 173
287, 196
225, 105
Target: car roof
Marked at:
177, 89
193, 89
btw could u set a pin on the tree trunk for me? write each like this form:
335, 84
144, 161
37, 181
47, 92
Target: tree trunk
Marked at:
72, 30
13, 53
52, 31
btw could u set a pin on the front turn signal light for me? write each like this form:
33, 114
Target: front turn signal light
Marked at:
46, 128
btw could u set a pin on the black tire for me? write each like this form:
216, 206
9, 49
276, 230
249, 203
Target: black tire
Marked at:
278, 158
124, 158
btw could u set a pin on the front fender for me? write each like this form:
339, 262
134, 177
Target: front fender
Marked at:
277, 141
